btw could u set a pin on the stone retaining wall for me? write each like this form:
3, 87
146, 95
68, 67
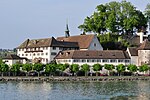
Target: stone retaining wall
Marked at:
74, 79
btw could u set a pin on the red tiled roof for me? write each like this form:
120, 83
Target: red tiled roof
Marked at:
93, 54
84, 41
133, 51
47, 42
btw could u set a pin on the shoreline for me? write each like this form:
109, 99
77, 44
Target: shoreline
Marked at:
75, 79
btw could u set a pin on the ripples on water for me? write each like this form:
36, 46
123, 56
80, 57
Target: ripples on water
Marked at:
135, 90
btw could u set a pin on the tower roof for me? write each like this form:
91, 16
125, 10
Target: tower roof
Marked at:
145, 45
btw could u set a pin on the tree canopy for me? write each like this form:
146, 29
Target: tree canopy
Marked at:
115, 17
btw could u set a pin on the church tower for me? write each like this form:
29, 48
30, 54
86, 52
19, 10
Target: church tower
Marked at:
67, 31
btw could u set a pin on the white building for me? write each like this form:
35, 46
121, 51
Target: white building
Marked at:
43, 50
13, 59
85, 42
92, 57
140, 55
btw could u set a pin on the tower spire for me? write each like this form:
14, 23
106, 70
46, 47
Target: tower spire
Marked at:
67, 30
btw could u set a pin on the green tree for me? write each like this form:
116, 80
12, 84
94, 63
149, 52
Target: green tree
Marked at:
115, 17
147, 13
97, 67
132, 68
27, 67
74, 68
15, 68
109, 67
3, 68
120, 68
143, 68
85, 68
63, 67
50, 68
38, 67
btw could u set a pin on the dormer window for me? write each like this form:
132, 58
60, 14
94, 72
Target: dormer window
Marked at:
94, 44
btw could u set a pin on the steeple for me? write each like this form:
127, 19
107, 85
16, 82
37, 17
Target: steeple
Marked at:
67, 31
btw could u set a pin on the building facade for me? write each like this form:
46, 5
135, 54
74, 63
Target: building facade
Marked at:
92, 57
13, 59
44, 50
140, 55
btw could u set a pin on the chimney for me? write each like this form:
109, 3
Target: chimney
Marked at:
141, 37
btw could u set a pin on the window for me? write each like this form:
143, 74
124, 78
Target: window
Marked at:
54, 48
53, 53
83, 60
127, 61
94, 44
34, 54
46, 53
42, 54
105, 60
120, 60
98, 60
22, 54
112, 60
26, 54
38, 54
75, 60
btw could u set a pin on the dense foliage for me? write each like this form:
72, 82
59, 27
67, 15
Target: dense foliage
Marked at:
115, 17
74, 69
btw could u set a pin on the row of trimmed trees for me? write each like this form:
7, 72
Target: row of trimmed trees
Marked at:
51, 69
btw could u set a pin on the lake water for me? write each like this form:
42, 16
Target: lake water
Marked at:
135, 90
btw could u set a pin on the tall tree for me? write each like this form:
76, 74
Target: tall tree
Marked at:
147, 13
121, 17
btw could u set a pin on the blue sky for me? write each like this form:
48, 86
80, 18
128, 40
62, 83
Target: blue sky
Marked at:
23, 19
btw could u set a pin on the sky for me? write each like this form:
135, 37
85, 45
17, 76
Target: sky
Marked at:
34, 19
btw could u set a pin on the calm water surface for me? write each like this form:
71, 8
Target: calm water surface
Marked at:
135, 90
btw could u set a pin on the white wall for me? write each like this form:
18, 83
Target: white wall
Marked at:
45, 55
70, 61
10, 62
134, 60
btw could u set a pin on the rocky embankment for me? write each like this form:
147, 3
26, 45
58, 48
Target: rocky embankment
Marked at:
74, 79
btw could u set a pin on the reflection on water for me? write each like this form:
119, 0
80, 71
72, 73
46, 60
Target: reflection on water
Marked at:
135, 90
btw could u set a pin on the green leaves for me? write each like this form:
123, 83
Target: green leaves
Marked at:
85, 68
115, 17
74, 68
132, 68
97, 67
143, 68
4, 67
27, 67
50, 68
109, 66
